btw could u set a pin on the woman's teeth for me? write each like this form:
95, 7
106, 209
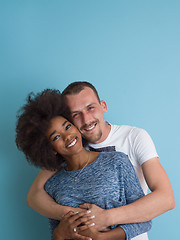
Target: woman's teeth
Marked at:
72, 144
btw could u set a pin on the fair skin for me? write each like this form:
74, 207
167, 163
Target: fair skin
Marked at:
66, 140
87, 114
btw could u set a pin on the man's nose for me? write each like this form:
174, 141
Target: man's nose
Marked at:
86, 118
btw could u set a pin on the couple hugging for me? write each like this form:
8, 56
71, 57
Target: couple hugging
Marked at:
94, 177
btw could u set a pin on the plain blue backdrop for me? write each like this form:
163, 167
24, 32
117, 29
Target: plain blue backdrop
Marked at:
130, 50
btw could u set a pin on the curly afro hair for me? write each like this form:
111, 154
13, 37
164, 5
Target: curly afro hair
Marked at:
33, 121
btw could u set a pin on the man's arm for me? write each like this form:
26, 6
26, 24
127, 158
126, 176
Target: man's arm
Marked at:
160, 200
39, 200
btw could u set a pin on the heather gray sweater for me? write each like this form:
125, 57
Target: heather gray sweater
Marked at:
109, 182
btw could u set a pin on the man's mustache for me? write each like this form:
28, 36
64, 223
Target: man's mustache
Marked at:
88, 125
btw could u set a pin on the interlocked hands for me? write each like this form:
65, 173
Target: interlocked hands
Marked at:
79, 226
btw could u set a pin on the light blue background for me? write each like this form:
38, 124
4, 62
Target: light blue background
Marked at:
130, 50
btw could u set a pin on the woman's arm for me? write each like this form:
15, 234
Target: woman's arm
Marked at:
68, 227
65, 229
132, 190
160, 200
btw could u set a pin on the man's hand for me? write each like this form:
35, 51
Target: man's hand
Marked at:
67, 209
98, 213
68, 228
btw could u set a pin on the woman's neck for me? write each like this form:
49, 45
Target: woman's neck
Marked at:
81, 160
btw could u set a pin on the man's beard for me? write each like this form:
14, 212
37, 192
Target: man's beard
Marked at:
94, 138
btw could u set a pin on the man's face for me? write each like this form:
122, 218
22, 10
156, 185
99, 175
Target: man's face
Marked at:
88, 114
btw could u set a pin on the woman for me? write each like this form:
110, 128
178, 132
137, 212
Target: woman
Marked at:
49, 140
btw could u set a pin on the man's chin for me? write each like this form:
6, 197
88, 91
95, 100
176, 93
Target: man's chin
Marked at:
92, 139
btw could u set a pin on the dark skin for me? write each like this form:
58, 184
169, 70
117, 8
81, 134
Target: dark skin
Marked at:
71, 221
65, 229
66, 140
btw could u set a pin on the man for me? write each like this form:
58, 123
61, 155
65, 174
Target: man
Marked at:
87, 113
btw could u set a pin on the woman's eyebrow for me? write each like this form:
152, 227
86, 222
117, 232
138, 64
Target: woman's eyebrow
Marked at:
52, 133
64, 123
55, 130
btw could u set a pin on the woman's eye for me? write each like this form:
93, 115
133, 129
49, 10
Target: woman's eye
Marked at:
68, 126
56, 138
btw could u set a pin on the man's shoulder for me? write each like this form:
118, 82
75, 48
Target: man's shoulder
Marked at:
119, 139
122, 127
125, 130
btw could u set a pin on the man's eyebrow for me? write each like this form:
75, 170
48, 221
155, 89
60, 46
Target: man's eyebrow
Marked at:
90, 104
52, 133
64, 123
76, 111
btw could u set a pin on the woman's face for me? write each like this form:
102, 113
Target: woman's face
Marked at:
64, 137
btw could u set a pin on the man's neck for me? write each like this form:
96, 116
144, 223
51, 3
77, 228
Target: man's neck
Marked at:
106, 131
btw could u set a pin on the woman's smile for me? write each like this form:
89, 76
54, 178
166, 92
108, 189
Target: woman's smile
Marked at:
64, 137
71, 143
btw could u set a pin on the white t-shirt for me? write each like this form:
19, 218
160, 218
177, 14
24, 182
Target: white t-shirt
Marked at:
134, 142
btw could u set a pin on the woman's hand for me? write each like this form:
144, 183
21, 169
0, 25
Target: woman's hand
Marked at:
91, 232
68, 228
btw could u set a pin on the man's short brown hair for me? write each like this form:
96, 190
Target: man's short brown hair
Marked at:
77, 87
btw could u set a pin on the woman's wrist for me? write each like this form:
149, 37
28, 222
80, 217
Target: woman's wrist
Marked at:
57, 235
101, 236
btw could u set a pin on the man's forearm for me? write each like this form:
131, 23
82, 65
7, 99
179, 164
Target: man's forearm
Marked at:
39, 200
142, 210
46, 206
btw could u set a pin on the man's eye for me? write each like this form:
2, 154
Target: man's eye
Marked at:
75, 115
56, 138
90, 108
68, 126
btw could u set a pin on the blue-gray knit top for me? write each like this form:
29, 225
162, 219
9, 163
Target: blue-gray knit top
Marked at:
109, 182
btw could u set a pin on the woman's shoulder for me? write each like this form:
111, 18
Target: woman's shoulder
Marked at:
114, 157
54, 179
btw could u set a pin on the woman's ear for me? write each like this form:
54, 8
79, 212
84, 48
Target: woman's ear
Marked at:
54, 152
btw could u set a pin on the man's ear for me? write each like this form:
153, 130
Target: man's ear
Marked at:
103, 105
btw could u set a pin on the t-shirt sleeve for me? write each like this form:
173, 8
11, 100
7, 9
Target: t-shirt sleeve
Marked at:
131, 184
132, 191
50, 185
143, 145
